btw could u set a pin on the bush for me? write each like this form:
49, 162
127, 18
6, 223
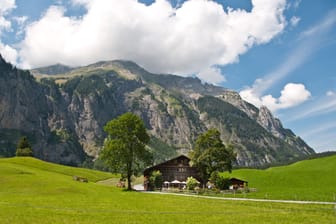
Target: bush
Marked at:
192, 183
220, 182
223, 183
155, 180
24, 152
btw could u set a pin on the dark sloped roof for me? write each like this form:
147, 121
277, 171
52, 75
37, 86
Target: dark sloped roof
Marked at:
160, 164
236, 179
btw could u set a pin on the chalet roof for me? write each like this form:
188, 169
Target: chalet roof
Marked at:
236, 179
168, 161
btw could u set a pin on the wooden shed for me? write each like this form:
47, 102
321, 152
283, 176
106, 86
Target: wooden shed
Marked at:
238, 183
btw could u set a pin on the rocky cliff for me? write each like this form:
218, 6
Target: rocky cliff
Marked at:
64, 114
26, 108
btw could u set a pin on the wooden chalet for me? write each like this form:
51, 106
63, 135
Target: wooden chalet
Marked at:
175, 170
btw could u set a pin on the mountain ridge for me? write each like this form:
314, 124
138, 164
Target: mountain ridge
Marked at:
175, 109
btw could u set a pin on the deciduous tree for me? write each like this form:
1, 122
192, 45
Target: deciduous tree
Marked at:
210, 154
124, 148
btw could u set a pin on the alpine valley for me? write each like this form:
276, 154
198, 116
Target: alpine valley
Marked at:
63, 110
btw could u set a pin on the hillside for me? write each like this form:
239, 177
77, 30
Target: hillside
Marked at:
33, 191
313, 179
63, 115
24, 164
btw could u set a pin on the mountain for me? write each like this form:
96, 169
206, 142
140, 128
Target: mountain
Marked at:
52, 70
64, 114
26, 108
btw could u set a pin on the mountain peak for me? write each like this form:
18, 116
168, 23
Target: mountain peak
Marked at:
2, 60
267, 120
4, 65
52, 69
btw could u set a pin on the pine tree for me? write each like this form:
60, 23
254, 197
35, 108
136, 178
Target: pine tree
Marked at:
24, 148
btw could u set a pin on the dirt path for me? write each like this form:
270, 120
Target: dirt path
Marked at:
247, 199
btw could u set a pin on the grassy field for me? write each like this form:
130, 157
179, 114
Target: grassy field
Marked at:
305, 180
32, 191
26, 163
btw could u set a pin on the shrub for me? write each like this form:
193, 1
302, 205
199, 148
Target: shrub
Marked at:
220, 182
24, 152
155, 180
223, 183
192, 183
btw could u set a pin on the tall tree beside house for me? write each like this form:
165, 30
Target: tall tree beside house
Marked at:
24, 147
124, 148
211, 155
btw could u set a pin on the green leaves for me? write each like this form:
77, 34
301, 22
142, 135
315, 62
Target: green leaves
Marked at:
24, 148
210, 154
192, 183
155, 180
124, 148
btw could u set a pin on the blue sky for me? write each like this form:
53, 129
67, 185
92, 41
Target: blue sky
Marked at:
277, 53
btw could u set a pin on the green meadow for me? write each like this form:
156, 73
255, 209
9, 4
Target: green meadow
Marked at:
32, 191
312, 180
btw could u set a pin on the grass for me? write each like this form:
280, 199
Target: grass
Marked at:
32, 191
22, 164
305, 180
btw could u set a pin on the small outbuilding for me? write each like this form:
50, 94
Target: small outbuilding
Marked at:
238, 183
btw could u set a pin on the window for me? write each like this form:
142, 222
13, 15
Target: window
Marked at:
182, 170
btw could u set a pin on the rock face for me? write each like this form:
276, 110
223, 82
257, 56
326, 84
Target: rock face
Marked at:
63, 115
26, 108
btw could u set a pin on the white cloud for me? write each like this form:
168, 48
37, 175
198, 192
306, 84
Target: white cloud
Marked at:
309, 42
322, 106
5, 7
294, 21
321, 129
81, 2
325, 141
248, 94
20, 20
9, 53
294, 4
322, 27
331, 93
190, 39
213, 75
295, 59
292, 95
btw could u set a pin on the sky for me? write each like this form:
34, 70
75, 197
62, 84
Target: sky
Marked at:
275, 53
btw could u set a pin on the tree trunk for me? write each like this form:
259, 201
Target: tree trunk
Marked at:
129, 186
129, 175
